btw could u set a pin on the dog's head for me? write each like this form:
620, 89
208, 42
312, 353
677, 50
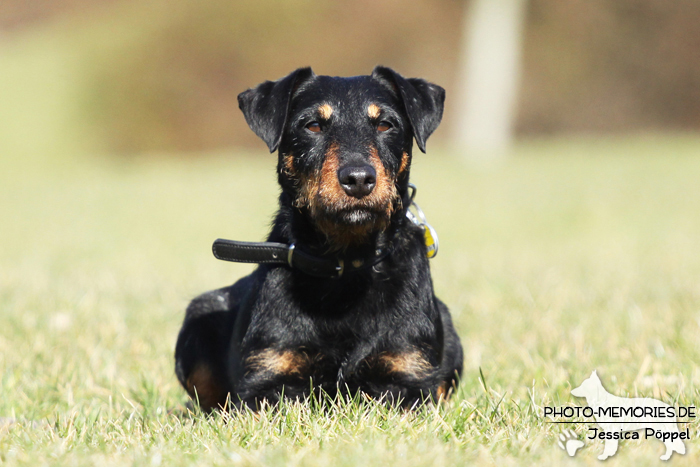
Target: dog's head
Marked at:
591, 388
344, 143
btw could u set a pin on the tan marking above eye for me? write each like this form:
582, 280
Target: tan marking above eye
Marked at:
325, 111
373, 111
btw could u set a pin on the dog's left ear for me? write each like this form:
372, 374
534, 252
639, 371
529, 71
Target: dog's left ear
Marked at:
266, 106
424, 102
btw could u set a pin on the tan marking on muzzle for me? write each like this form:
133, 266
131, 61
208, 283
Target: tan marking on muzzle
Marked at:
330, 192
288, 165
323, 194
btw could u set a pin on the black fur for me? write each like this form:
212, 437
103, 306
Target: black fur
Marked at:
381, 331
266, 107
423, 101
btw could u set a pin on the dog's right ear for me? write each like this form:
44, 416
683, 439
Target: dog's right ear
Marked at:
266, 106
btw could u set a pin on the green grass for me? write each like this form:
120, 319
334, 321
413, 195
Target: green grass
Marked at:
571, 256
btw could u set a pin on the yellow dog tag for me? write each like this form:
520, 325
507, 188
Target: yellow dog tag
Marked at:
429, 234
431, 240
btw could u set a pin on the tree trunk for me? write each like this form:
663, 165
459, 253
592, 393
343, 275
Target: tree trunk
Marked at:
488, 76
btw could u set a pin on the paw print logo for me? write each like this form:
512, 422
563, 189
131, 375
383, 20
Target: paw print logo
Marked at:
569, 442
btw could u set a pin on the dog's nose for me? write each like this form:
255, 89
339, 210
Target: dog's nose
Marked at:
358, 181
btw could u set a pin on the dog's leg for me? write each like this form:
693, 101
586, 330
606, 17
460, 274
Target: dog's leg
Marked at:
609, 450
202, 349
452, 357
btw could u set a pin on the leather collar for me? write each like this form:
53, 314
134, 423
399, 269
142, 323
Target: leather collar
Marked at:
317, 266
290, 255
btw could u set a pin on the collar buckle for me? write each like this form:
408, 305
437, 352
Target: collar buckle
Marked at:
290, 254
340, 268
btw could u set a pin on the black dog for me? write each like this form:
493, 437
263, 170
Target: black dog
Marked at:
343, 299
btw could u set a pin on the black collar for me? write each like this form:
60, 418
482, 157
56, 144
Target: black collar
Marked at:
317, 266
290, 255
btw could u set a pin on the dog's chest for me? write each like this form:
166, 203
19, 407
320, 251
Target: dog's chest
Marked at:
326, 367
335, 336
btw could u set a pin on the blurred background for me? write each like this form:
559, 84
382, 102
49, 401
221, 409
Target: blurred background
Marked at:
129, 77
123, 155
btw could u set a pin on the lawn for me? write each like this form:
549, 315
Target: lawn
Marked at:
572, 255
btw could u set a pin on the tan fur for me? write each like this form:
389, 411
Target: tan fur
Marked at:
404, 163
444, 391
441, 391
322, 192
325, 111
373, 111
288, 160
411, 363
329, 190
202, 386
286, 362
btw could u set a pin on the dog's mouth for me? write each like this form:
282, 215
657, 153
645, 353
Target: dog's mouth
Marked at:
369, 218
357, 216
350, 225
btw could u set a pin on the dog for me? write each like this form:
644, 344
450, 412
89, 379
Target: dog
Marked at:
613, 425
342, 301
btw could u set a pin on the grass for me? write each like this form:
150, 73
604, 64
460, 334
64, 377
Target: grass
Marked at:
571, 256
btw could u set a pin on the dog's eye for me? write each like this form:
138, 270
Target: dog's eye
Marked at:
314, 127
383, 126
